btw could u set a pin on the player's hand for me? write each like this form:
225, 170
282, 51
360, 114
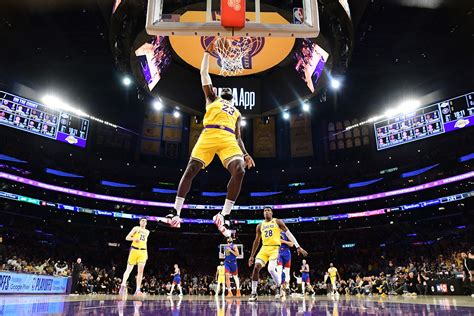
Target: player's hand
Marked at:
301, 252
136, 240
251, 261
249, 163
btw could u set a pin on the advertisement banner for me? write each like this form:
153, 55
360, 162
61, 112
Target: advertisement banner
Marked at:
22, 283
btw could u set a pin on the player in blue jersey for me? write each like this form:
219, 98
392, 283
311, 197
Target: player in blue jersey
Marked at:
284, 262
231, 253
176, 281
306, 282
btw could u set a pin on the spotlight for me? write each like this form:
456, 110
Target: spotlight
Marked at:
390, 113
126, 81
306, 106
176, 114
157, 105
286, 115
335, 84
408, 106
243, 122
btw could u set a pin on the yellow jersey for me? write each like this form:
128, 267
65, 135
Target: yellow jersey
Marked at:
142, 236
270, 233
220, 270
221, 113
332, 272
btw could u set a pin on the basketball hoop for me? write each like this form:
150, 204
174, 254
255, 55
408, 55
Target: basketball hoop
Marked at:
231, 51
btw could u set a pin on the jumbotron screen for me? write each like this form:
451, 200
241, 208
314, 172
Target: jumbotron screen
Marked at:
432, 120
35, 118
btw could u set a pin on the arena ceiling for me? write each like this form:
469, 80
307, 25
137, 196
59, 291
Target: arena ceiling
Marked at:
399, 49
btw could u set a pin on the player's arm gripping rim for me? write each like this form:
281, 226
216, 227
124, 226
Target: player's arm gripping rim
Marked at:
256, 244
205, 78
299, 250
130, 235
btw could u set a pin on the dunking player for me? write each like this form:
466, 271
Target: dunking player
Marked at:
220, 277
284, 262
231, 268
333, 275
306, 282
221, 136
176, 281
138, 255
269, 232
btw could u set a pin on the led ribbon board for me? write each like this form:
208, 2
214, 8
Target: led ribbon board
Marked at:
401, 208
369, 197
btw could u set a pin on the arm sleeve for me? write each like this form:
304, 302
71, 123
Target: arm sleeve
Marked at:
292, 238
205, 78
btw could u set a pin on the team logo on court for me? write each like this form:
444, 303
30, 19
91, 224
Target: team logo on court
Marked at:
256, 47
234, 4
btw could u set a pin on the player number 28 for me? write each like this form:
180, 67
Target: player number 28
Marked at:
268, 233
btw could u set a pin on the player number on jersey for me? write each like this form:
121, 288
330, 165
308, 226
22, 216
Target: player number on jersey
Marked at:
228, 109
268, 233
142, 237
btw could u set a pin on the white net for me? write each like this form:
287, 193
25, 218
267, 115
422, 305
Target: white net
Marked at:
231, 52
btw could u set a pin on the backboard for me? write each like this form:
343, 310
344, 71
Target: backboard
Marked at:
240, 247
160, 24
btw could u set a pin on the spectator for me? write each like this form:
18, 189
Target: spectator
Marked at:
2, 253
77, 269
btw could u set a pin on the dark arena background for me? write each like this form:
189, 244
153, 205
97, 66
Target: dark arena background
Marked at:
358, 115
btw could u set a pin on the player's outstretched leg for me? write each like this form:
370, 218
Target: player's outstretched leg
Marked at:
192, 170
237, 172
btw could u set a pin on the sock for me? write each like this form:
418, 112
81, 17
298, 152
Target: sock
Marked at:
237, 282
254, 287
178, 204
303, 285
227, 207
172, 289
180, 289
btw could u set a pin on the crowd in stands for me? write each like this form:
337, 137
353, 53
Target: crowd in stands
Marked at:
406, 272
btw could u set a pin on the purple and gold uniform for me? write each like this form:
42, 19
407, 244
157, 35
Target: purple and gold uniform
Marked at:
230, 262
218, 135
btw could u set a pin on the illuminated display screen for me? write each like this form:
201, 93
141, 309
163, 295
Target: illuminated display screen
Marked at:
356, 199
429, 121
78, 209
154, 58
35, 118
310, 61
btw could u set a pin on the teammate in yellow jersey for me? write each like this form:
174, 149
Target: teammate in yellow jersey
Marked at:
220, 277
268, 232
138, 255
221, 136
333, 275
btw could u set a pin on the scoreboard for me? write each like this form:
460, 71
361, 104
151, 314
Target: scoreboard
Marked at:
36, 118
432, 120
